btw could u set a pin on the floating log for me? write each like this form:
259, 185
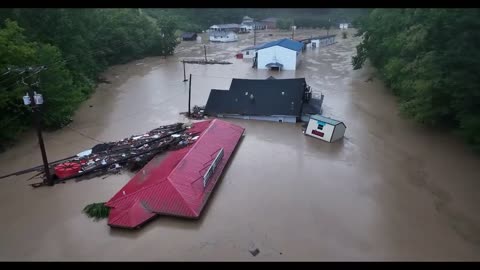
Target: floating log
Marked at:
208, 62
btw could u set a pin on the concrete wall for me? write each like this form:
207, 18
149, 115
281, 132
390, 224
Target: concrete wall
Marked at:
327, 130
279, 54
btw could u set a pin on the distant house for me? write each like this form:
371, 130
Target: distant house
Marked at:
254, 25
187, 36
282, 54
247, 19
270, 23
344, 26
322, 41
325, 128
231, 27
244, 28
223, 36
278, 100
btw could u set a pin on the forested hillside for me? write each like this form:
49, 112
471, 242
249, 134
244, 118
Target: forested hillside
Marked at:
430, 58
75, 45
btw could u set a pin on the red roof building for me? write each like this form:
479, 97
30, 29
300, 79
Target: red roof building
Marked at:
182, 183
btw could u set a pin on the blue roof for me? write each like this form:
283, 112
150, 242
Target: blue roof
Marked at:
286, 43
327, 120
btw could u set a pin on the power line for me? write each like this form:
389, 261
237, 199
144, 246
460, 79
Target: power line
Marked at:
50, 117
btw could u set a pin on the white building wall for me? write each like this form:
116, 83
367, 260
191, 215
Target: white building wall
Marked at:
299, 58
339, 132
251, 54
278, 54
224, 38
327, 130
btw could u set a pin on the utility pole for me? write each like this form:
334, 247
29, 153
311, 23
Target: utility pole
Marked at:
328, 27
189, 93
205, 49
254, 34
34, 100
184, 74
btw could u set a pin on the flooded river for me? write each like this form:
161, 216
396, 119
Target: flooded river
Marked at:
391, 190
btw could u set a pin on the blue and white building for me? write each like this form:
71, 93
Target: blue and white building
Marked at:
283, 54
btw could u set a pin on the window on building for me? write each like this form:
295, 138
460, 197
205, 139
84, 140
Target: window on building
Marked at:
320, 127
318, 133
247, 53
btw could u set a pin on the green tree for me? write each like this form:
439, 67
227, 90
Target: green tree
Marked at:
430, 58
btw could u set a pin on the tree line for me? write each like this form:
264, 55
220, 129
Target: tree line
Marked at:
75, 45
430, 58
196, 20
78, 44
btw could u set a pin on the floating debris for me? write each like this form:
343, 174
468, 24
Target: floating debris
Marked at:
96, 211
207, 62
253, 250
197, 113
133, 153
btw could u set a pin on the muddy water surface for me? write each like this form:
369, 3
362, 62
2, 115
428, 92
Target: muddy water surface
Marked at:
391, 190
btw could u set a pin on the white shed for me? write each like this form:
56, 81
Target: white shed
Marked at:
281, 54
325, 128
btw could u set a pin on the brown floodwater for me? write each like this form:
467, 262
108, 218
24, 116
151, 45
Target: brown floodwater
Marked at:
391, 190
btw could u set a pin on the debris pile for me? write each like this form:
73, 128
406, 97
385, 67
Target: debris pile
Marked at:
197, 113
110, 158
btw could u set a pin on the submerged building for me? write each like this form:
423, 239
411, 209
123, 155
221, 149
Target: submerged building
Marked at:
278, 100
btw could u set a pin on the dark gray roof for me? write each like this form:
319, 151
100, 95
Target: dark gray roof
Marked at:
270, 97
188, 35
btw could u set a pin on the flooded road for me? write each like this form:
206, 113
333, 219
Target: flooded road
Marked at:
391, 190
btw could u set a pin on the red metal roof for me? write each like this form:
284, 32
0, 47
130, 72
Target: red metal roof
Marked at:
176, 185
